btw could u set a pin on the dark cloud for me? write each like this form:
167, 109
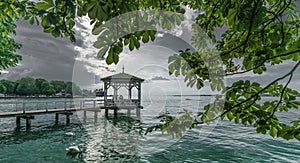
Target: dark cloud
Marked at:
43, 55
54, 58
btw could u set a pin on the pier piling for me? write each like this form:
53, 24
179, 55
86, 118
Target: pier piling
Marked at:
56, 118
138, 112
67, 119
84, 116
128, 112
106, 112
28, 122
115, 111
18, 122
95, 116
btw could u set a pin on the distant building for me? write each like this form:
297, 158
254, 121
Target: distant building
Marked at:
62, 93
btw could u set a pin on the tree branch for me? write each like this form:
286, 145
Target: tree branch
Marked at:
210, 15
254, 95
251, 24
263, 61
160, 3
281, 97
248, 106
280, 11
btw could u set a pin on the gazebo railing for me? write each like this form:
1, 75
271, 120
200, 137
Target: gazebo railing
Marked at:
124, 102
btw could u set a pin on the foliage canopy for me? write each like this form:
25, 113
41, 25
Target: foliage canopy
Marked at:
30, 86
257, 33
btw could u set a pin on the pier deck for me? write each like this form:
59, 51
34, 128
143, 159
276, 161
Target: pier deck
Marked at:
28, 109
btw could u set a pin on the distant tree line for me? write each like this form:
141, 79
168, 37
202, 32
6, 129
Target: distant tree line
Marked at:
33, 87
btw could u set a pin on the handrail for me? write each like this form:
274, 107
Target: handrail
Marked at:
14, 102
25, 106
52, 104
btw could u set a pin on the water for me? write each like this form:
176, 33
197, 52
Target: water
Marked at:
122, 139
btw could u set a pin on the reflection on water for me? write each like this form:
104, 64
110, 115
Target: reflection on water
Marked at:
116, 138
112, 139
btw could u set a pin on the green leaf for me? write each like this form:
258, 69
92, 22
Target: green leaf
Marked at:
93, 12
53, 19
72, 38
116, 57
50, 2
152, 35
55, 33
199, 83
131, 44
126, 41
273, 131
230, 116
237, 119
145, 38
42, 6
31, 21
89, 6
99, 44
136, 43
97, 30
232, 15
71, 23
296, 57
102, 52
110, 57
46, 22
297, 137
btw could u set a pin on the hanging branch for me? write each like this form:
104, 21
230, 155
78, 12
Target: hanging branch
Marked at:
265, 60
254, 95
281, 97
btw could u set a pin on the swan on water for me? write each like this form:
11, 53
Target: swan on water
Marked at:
74, 149
70, 133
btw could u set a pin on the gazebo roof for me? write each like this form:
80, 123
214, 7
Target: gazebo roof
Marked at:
122, 77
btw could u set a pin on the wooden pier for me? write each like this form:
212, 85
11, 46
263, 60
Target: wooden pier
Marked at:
28, 109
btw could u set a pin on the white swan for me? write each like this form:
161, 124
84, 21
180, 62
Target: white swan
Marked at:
70, 133
74, 149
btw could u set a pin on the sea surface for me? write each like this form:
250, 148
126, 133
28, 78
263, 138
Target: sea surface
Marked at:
123, 139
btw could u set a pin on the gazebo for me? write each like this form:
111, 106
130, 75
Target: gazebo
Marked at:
122, 80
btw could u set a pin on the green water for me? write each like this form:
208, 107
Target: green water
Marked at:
122, 139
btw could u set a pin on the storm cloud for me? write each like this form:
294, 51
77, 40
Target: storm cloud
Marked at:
58, 59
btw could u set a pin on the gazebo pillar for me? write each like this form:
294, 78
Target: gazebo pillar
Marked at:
139, 93
115, 94
105, 93
129, 92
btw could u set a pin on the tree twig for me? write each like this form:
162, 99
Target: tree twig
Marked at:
254, 95
263, 61
281, 97
250, 25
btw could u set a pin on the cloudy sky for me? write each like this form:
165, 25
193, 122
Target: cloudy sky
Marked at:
58, 59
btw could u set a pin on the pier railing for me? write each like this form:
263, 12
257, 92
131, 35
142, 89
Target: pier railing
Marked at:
17, 106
